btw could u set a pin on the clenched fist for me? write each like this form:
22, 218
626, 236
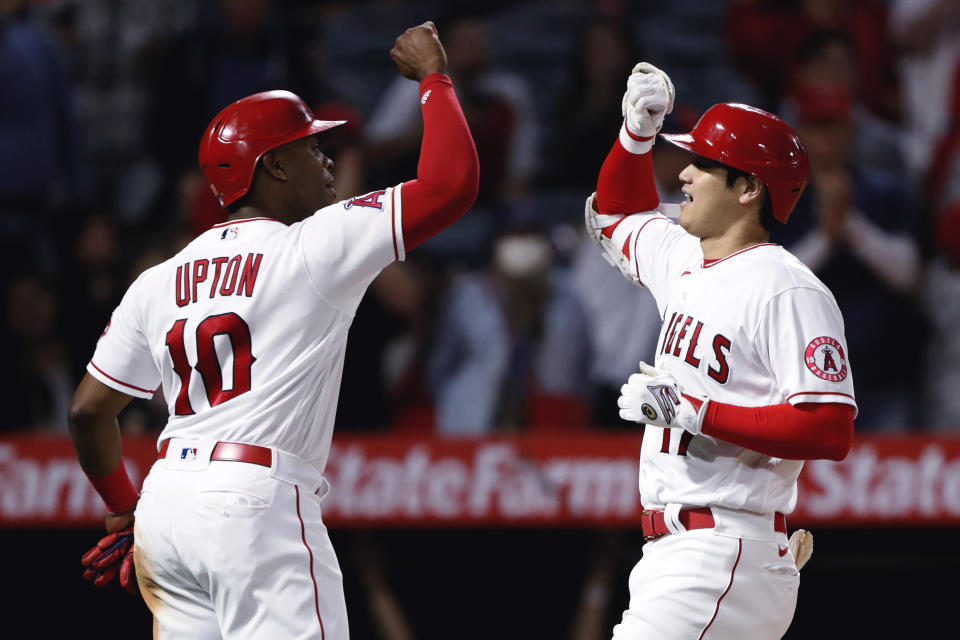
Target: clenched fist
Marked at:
648, 99
418, 52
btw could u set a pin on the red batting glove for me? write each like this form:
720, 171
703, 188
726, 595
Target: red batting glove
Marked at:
112, 555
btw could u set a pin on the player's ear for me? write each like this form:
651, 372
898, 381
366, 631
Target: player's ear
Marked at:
273, 165
752, 190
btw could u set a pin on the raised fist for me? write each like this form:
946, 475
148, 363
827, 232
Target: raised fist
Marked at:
418, 52
648, 99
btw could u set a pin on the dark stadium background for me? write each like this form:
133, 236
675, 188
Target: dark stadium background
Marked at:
101, 107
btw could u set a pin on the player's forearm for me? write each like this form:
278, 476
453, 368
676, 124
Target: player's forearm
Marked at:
626, 183
96, 439
448, 173
802, 432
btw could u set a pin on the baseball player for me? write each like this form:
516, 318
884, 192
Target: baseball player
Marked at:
245, 329
751, 375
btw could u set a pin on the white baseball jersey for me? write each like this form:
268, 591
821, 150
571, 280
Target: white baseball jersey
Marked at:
246, 327
753, 329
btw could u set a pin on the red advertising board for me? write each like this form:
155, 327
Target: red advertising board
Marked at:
583, 480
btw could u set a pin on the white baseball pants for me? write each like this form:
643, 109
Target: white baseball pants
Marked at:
732, 582
237, 550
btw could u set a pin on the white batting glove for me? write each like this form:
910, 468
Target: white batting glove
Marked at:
649, 98
654, 397
596, 222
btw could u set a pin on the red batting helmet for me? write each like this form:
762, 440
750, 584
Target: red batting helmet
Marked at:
754, 141
240, 134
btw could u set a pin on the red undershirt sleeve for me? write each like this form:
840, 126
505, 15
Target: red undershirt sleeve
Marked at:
626, 183
448, 172
806, 431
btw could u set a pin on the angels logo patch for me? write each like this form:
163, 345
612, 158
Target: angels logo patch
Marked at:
372, 200
824, 357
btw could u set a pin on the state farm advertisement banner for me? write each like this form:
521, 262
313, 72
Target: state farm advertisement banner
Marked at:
588, 480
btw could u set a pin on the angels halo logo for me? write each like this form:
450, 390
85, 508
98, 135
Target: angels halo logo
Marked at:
825, 358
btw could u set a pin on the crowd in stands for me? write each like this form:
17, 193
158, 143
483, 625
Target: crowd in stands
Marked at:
509, 321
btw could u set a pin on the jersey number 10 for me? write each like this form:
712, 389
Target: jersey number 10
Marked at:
208, 365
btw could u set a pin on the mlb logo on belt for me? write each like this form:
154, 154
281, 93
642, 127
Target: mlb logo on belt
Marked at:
188, 453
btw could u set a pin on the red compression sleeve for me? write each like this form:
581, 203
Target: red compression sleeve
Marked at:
116, 490
448, 174
804, 432
626, 182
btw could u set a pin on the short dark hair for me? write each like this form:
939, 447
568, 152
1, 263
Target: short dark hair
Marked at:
767, 219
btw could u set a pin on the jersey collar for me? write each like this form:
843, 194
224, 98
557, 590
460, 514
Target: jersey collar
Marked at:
230, 223
712, 261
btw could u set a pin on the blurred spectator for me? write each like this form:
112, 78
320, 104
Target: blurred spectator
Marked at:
589, 111
854, 229
828, 58
942, 184
623, 325
497, 104
509, 348
927, 33
764, 37
239, 49
941, 301
92, 287
37, 386
105, 42
389, 316
43, 165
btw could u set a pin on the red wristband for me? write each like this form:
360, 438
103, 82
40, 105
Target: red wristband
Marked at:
116, 490
634, 136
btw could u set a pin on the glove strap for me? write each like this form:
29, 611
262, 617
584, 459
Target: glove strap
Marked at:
700, 405
116, 490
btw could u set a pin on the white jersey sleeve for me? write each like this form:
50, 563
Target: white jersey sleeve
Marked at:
122, 359
659, 250
345, 245
800, 335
